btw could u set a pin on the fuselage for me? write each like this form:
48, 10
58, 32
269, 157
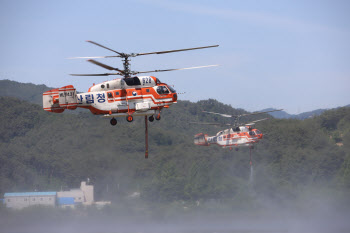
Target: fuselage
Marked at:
119, 96
241, 136
143, 95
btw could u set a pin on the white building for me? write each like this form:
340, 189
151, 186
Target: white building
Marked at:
26, 199
84, 196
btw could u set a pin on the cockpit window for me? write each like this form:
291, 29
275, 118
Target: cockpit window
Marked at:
257, 132
171, 89
162, 90
218, 134
237, 129
251, 133
132, 81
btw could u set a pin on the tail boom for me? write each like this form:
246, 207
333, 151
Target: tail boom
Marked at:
201, 139
59, 99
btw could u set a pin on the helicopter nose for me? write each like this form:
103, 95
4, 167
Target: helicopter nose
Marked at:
174, 97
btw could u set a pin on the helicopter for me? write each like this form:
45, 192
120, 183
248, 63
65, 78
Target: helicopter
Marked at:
128, 96
239, 135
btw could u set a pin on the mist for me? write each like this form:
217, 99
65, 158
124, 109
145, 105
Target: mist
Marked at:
313, 210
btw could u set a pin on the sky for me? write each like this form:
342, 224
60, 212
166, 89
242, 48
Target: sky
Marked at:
293, 55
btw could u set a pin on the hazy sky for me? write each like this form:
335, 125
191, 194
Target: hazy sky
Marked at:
284, 54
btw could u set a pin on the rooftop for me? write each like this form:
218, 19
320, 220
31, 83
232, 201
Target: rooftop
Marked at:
30, 194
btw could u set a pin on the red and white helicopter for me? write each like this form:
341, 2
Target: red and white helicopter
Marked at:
128, 96
239, 135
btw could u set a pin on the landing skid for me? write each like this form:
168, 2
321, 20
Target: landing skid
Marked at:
113, 121
137, 113
130, 118
151, 118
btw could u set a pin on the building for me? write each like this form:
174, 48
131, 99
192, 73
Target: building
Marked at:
26, 199
82, 196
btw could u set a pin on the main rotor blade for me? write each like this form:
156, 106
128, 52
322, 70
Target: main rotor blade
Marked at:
209, 123
91, 57
255, 113
247, 114
104, 65
177, 50
92, 42
253, 122
105, 74
224, 115
227, 124
188, 68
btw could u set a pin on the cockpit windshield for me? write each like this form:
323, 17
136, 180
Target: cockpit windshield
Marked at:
162, 90
258, 132
251, 133
172, 89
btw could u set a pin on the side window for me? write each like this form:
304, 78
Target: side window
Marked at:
117, 93
109, 94
165, 90
147, 90
107, 85
162, 90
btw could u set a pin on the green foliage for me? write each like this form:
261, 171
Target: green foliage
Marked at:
47, 151
24, 91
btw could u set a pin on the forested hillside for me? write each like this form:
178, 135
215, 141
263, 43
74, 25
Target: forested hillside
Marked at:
300, 116
25, 91
47, 151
